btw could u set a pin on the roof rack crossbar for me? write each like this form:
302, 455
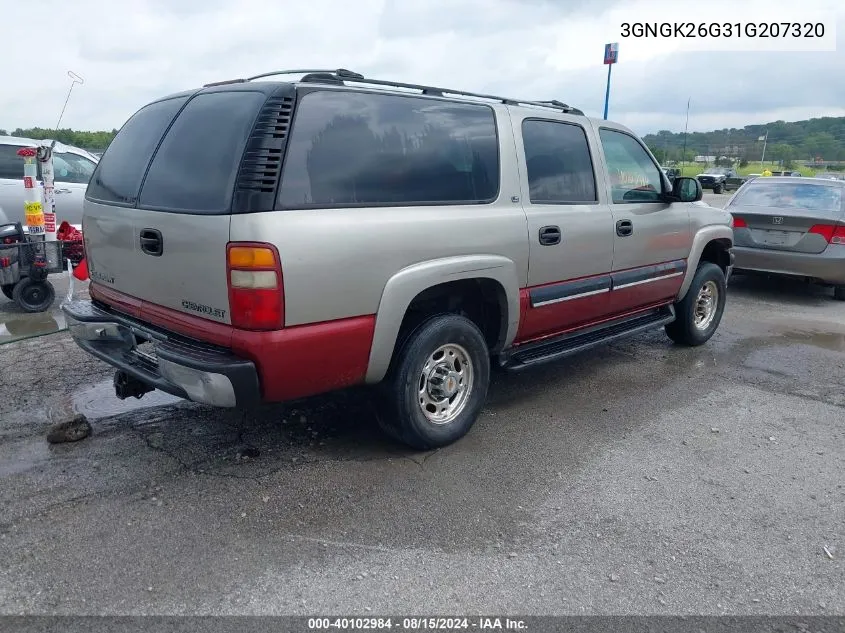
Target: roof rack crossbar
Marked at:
342, 74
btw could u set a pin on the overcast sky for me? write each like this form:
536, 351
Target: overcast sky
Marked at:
132, 51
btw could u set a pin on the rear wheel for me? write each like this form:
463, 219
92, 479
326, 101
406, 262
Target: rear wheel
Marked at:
839, 293
437, 383
699, 313
7, 290
34, 296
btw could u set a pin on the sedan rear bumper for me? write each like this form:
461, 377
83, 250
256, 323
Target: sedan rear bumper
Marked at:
826, 267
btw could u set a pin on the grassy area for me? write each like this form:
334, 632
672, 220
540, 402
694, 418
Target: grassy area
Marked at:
751, 168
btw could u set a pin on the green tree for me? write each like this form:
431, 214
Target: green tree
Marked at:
821, 144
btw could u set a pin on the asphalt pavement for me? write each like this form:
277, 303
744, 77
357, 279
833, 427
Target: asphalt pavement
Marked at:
640, 478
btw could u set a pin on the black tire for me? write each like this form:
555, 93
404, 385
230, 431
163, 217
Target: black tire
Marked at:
839, 293
7, 291
683, 330
717, 188
401, 412
34, 296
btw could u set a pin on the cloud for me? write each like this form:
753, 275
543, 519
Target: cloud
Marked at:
132, 52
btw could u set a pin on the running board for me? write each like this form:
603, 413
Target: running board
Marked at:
523, 356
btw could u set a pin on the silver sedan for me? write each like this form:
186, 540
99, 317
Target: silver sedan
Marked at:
791, 226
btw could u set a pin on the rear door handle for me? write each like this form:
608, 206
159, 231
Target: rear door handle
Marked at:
550, 235
151, 242
624, 228
61, 190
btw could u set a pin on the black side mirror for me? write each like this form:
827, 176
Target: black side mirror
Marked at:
687, 189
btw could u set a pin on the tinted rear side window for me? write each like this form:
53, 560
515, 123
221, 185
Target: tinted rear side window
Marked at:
119, 173
195, 168
352, 148
557, 156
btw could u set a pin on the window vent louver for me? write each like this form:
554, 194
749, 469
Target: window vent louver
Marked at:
262, 161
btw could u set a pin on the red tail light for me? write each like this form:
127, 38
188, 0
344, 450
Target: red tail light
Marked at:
832, 234
739, 223
256, 295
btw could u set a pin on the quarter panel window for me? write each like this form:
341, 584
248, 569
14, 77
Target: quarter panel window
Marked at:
350, 148
118, 176
633, 175
557, 156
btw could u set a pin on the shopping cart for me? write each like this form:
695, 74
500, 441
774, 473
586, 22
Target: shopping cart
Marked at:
25, 264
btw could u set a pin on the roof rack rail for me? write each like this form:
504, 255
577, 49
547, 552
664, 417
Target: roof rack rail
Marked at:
342, 75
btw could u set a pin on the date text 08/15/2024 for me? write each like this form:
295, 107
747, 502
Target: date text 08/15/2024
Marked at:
417, 623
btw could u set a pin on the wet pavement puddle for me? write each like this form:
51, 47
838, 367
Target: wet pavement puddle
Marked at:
826, 340
15, 327
98, 401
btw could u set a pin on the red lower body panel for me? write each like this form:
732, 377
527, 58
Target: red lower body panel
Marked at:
293, 362
557, 308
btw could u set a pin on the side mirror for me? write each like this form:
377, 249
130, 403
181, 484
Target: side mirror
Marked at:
687, 189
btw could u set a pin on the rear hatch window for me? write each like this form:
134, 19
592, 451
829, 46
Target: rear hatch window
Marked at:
193, 169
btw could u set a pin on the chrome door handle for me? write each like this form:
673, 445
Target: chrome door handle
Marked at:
61, 190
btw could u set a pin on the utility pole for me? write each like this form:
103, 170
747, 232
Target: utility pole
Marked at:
765, 140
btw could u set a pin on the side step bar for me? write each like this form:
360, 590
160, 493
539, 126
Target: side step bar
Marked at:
524, 356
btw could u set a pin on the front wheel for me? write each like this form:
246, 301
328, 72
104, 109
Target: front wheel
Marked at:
699, 313
437, 384
717, 189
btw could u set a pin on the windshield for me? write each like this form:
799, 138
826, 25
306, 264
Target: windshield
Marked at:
786, 195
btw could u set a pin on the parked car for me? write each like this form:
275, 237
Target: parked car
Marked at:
73, 167
270, 240
672, 173
787, 226
720, 179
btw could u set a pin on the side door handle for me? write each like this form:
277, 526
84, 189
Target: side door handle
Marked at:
550, 235
61, 190
624, 228
151, 242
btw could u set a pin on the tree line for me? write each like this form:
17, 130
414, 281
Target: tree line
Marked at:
92, 141
791, 142
821, 139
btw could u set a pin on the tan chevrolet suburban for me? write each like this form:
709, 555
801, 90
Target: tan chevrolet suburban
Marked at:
262, 241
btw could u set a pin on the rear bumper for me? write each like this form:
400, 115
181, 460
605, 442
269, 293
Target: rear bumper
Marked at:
177, 365
827, 267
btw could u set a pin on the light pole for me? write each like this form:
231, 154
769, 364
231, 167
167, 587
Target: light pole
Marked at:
75, 79
686, 127
611, 56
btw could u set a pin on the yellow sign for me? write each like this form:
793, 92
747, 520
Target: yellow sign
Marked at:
34, 214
